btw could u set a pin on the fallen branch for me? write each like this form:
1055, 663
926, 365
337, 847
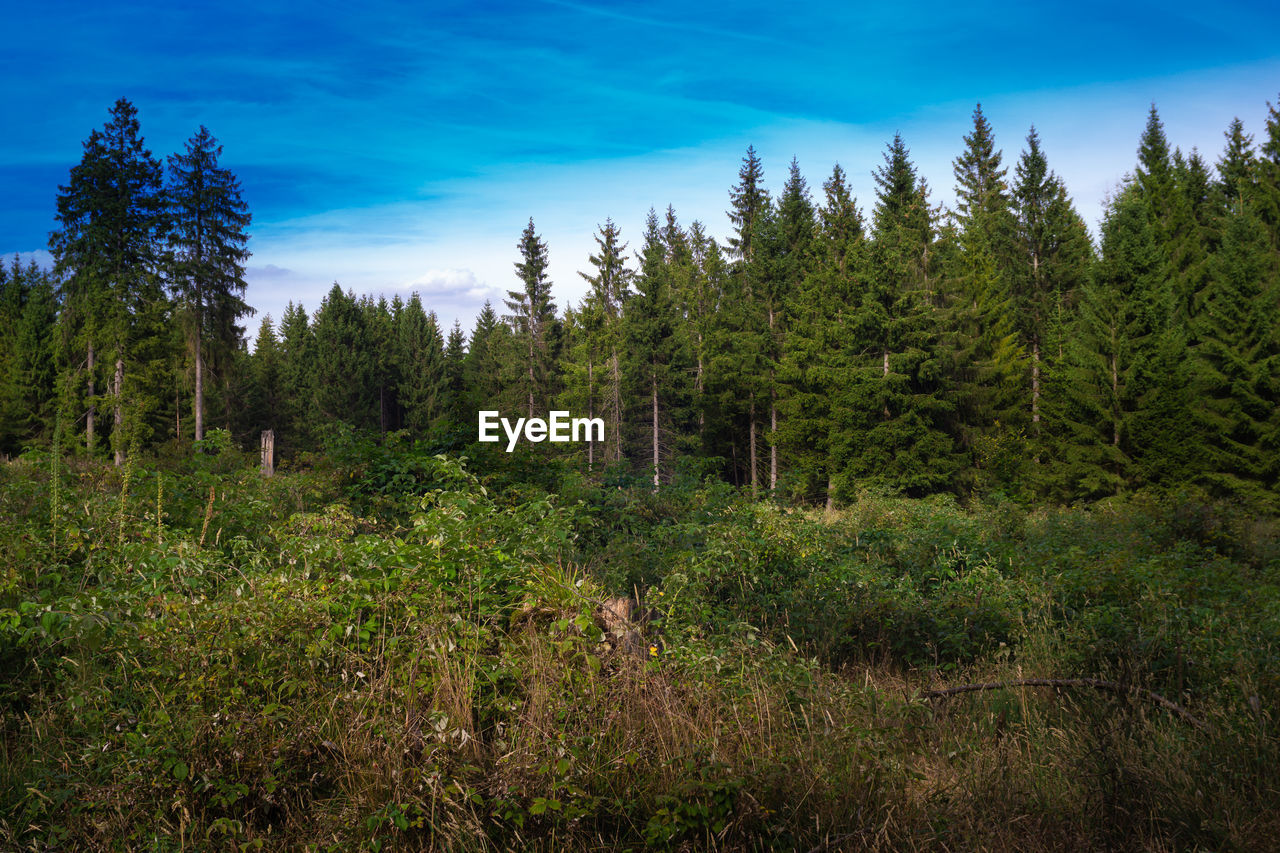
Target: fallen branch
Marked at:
1094, 683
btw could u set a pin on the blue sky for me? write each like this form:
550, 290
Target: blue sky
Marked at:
395, 147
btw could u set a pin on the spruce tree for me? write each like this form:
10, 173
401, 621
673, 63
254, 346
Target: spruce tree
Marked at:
653, 365
386, 368
1053, 262
266, 397
343, 363
985, 361
1268, 177
822, 353
789, 263
484, 375
533, 321
455, 366
297, 378
1238, 167
697, 303
107, 249
209, 248
1236, 358
1127, 369
420, 351
600, 339
907, 447
741, 345
749, 199
28, 309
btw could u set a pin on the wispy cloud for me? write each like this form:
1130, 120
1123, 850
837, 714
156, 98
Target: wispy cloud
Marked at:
402, 147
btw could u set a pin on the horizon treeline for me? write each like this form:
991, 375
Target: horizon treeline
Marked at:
823, 348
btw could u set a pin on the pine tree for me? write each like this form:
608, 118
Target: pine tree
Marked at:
600, 333
1169, 184
455, 366
789, 263
209, 249
387, 368
1268, 177
697, 303
1127, 368
822, 353
345, 388
749, 199
35, 368
1054, 254
1237, 170
533, 321
1236, 358
265, 397
423, 382
649, 325
907, 448
107, 251
297, 378
985, 361
741, 345
489, 342
28, 310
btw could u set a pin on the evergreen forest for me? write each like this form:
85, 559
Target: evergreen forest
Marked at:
912, 527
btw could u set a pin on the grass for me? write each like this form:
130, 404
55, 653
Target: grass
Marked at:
208, 660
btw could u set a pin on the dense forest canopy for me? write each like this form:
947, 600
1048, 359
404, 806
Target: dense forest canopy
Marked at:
828, 345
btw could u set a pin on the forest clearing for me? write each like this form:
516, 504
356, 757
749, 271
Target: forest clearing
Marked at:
391, 654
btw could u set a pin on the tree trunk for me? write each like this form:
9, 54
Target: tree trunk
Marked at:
531, 369
1115, 402
268, 452
118, 385
697, 387
755, 483
1035, 383
617, 408
89, 416
591, 413
199, 387
655, 432
773, 439
886, 376
831, 488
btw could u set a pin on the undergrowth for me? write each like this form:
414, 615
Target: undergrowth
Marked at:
389, 653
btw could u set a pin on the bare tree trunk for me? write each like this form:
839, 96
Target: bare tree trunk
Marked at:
1035, 383
118, 385
268, 452
655, 432
886, 376
697, 387
1115, 395
591, 413
755, 483
831, 488
199, 387
89, 416
617, 408
531, 369
773, 442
